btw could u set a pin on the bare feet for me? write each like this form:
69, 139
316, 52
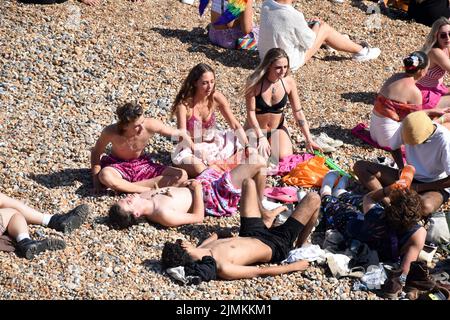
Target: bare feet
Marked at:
269, 216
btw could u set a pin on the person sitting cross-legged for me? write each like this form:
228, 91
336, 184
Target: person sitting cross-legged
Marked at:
235, 257
128, 168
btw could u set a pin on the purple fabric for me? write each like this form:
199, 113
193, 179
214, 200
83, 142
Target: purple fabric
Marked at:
221, 198
362, 132
133, 170
431, 96
226, 38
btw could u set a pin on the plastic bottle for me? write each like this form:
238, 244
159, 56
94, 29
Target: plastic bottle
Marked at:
407, 175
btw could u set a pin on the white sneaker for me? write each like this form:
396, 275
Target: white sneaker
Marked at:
330, 141
188, 1
326, 148
367, 54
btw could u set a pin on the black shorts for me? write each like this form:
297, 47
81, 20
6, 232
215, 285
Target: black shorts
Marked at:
280, 239
444, 192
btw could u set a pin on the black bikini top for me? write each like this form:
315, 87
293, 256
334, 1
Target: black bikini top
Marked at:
262, 107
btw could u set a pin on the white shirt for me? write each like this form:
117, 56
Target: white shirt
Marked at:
431, 159
282, 26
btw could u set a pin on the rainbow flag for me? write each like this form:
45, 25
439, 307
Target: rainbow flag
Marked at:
233, 11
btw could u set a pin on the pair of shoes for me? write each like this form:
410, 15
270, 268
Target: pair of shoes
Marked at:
72, 220
30, 248
367, 54
326, 148
330, 141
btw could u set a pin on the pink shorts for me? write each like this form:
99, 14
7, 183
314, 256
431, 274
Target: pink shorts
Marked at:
134, 170
226, 38
431, 96
221, 198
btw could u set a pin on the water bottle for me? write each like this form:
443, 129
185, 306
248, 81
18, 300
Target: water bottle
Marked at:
407, 175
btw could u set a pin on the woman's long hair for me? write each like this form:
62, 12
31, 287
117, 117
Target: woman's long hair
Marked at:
431, 40
260, 72
187, 90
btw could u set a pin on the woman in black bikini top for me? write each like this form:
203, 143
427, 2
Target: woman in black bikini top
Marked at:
265, 106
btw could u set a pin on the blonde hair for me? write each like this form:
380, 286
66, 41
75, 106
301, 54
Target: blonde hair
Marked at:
260, 72
431, 40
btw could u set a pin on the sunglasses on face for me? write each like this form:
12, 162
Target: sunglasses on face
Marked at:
444, 35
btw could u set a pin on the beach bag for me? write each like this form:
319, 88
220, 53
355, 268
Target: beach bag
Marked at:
438, 229
247, 42
307, 174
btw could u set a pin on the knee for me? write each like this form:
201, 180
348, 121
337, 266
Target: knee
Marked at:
312, 199
324, 27
248, 183
428, 208
106, 177
359, 167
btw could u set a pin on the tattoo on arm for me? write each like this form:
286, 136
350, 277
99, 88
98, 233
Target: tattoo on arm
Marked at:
301, 123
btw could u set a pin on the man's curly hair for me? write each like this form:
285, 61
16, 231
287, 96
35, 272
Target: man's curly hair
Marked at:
174, 255
128, 113
405, 210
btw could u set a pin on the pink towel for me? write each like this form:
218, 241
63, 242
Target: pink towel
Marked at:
288, 163
362, 132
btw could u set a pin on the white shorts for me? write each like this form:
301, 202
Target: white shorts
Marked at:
385, 131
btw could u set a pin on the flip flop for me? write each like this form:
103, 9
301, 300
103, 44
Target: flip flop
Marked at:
283, 194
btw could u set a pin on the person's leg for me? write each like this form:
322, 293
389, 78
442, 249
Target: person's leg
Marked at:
31, 215
193, 166
254, 164
373, 175
17, 228
431, 201
171, 176
327, 35
280, 144
411, 249
444, 102
13, 222
328, 183
111, 178
306, 213
250, 205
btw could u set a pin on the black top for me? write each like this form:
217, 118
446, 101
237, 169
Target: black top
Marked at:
262, 107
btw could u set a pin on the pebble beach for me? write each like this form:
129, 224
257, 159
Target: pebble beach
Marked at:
63, 71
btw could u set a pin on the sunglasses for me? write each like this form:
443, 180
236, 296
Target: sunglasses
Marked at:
444, 35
